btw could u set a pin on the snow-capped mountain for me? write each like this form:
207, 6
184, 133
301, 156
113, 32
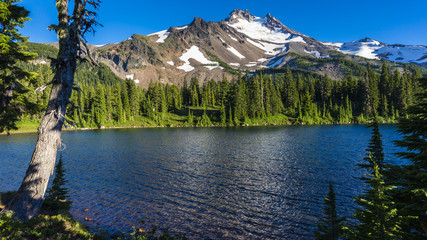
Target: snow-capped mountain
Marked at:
373, 49
242, 41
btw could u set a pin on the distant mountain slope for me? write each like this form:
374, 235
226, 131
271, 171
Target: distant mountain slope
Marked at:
373, 49
242, 42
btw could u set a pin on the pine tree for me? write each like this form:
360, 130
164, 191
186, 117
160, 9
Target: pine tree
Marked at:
12, 17
223, 116
330, 227
240, 102
204, 120
375, 148
411, 178
119, 106
190, 118
57, 196
290, 94
377, 215
230, 117
378, 218
100, 106
126, 104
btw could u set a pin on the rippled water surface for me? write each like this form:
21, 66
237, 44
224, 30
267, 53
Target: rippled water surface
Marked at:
210, 183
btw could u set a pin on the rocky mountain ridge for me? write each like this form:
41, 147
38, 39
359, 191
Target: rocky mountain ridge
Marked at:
240, 42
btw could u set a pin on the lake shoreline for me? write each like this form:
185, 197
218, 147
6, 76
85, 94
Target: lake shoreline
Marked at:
194, 126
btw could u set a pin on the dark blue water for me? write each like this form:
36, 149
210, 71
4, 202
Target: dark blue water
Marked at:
210, 183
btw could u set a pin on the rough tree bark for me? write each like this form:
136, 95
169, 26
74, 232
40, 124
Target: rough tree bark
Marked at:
29, 198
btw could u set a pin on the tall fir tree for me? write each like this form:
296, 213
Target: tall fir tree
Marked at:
377, 215
331, 226
100, 106
375, 148
12, 51
223, 116
56, 199
411, 178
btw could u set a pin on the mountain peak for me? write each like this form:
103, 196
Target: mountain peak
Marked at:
239, 14
199, 23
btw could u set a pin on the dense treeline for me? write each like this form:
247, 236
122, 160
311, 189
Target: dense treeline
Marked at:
291, 97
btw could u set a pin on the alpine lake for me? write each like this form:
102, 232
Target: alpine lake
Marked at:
206, 183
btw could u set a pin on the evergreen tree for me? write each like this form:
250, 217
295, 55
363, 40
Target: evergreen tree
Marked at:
223, 117
126, 104
204, 120
12, 17
375, 148
240, 102
377, 215
290, 93
330, 227
57, 196
378, 218
190, 118
100, 107
119, 106
411, 178
133, 98
230, 117
109, 104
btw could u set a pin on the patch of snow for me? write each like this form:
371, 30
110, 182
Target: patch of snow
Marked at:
331, 44
269, 48
43, 62
314, 53
251, 64
373, 49
295, 38
181, 28
256, 29
170, 63
162, 35
235, 39
130, 76
235, 52
272, 41
400, 53
234, 64
262, 60
136, 81
361, 48
195, 54
213, 67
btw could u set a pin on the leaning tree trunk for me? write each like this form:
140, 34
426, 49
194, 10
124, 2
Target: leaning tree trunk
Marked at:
29, 198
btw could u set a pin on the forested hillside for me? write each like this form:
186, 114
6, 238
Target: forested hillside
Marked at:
271, 96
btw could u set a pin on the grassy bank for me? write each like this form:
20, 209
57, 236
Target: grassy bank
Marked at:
181, 118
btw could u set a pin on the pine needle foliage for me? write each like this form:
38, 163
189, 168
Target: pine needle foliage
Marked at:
411, 178
375, 148
377, 216
57, 196
12, 75
330, 227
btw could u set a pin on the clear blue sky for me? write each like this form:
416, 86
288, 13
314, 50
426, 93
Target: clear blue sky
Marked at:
392, 21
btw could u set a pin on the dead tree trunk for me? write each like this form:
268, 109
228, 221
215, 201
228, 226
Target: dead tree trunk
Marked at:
29, 198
